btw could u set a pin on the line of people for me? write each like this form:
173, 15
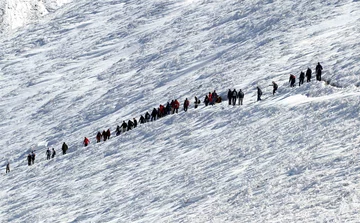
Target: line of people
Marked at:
172, 108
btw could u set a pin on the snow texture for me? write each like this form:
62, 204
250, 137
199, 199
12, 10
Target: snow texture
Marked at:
89, 65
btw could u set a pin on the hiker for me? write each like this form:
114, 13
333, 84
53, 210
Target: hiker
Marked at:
64, 148
308, 75
176, 106
104, 135
206, 100
118, 130
318, 71
8, 167
186, 104
234, 96
124, 126
154, 113
229, 95
135, 122
275, 87
196, 102
219, 99
53, 153
86, 141
241, 97
292, 80
142, 119
108, 134
147, 117
48, 154
130, 125
172, 104
98, 137
168, 108
211, 100
215, 97
259, 93
301, 78
32, 157
29, 159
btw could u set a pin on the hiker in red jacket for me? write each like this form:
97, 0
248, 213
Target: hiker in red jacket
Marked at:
86, 141
176, 105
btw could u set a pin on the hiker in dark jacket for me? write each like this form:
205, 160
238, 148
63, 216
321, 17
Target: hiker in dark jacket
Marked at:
142, 119
64, 148
168, 108
32, 157
135, 122
301, 78
118, 130
48, 154
275, 87
215, 97
98, 137
259, 93
29, 159
147, 117
234, 96
53, 153
241, 97
292, 80
153, 114
206, 100
308, 75
124, 126
196, 102
8, 167
318, 71
104, 135
130, 125
108, 134
229, 95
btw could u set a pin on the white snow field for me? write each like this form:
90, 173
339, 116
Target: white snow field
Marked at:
89, 65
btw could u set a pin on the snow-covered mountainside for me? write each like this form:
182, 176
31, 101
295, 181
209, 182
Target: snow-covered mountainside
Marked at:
16, 13
86, 67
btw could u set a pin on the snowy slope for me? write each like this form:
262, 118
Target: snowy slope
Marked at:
16, 13
90, 65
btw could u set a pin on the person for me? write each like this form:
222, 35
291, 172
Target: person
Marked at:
108, 134
259, 93
32, 157
186, 104
172, 104
229, 95
275, 87
161, 111
118, 130
219, 99
124, 126
211, 99
29, 159
8, 167
64, 148
215, 97
104, 135
234, 96
241, 97
196, 102
308, 75
154, 113
206, 100
135, 122
98, 137
130, 125
48, 154
292, 80
147, 117
53, 153
86, 141
318, 71
142, 119
176, 106
301, 78
168, 108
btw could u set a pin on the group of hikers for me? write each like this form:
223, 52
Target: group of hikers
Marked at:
172, 108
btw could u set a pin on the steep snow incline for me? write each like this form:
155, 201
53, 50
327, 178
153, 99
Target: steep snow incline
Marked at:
92, 64
16, 13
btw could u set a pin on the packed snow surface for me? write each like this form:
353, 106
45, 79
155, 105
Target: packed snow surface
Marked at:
86, 67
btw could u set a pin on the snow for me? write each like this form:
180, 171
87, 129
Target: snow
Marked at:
89, 65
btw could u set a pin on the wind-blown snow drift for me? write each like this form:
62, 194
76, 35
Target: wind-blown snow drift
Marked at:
92, 64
